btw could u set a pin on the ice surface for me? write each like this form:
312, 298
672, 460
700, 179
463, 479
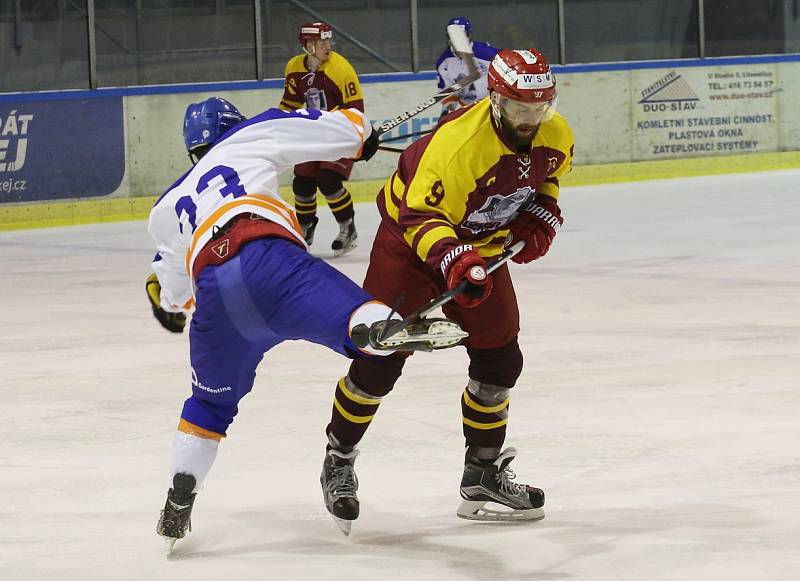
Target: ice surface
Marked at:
659, 409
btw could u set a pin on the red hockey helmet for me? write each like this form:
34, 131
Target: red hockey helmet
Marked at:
522, 75
524, 84
315, 31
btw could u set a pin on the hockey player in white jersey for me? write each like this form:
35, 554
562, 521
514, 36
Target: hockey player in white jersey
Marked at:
451, 69
231, 249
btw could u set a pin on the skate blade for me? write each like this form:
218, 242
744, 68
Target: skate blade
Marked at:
342, 251
169, 545
440, 335
344, 525
477, 510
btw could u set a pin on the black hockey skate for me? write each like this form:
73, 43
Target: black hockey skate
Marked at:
346, 240
339, 486
175, 519
491, 482
422, 335
308, 231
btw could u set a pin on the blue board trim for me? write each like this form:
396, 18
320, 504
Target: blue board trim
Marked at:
382, 78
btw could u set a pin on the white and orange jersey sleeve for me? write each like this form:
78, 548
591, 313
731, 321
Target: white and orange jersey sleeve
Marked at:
240, 175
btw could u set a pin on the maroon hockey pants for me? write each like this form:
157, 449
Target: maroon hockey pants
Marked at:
495, 357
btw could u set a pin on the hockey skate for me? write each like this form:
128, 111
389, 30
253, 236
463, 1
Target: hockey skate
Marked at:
339, 486
175, 519
346, 240
308, 231
422, 335
491, 482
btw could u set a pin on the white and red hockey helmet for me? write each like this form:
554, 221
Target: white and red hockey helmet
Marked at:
522, 87
315, 31
522, 75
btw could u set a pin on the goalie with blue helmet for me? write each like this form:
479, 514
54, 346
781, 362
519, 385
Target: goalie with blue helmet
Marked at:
450, 69
232, 250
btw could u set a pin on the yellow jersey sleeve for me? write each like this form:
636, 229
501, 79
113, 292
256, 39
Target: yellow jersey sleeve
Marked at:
292, 97
558, 135
342, 73
434, 202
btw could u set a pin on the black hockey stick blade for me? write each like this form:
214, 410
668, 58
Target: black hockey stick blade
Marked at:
447, 296
461, 44
406, 136
383, 147
391, 149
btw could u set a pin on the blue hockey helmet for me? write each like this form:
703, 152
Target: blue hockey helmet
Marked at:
207, 121
462, 21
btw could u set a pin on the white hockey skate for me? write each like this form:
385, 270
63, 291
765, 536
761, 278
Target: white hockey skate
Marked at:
422, 335
489, 494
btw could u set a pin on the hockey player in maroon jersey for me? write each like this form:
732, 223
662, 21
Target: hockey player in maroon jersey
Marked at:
486, 177
322, 79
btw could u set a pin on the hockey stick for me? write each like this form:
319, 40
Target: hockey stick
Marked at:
463, 49
407, 136
398, 138
392, 149
448, 296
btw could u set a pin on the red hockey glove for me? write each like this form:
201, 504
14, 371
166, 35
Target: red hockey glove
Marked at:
537, 225
463, 263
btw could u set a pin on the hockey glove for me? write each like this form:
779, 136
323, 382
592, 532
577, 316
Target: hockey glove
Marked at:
464, 264
537, 225
173, 322
370, 147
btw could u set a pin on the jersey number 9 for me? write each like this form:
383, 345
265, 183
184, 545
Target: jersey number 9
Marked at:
437, 194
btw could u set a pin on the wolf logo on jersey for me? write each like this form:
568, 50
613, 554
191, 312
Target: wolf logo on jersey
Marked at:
497, 211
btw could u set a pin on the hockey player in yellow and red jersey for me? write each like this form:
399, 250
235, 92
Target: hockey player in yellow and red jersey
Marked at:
322, 79
486, 177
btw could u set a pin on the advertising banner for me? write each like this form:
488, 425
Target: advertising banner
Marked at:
52, 150
704, 111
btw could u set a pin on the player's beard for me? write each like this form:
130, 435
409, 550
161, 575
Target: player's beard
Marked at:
520, 135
